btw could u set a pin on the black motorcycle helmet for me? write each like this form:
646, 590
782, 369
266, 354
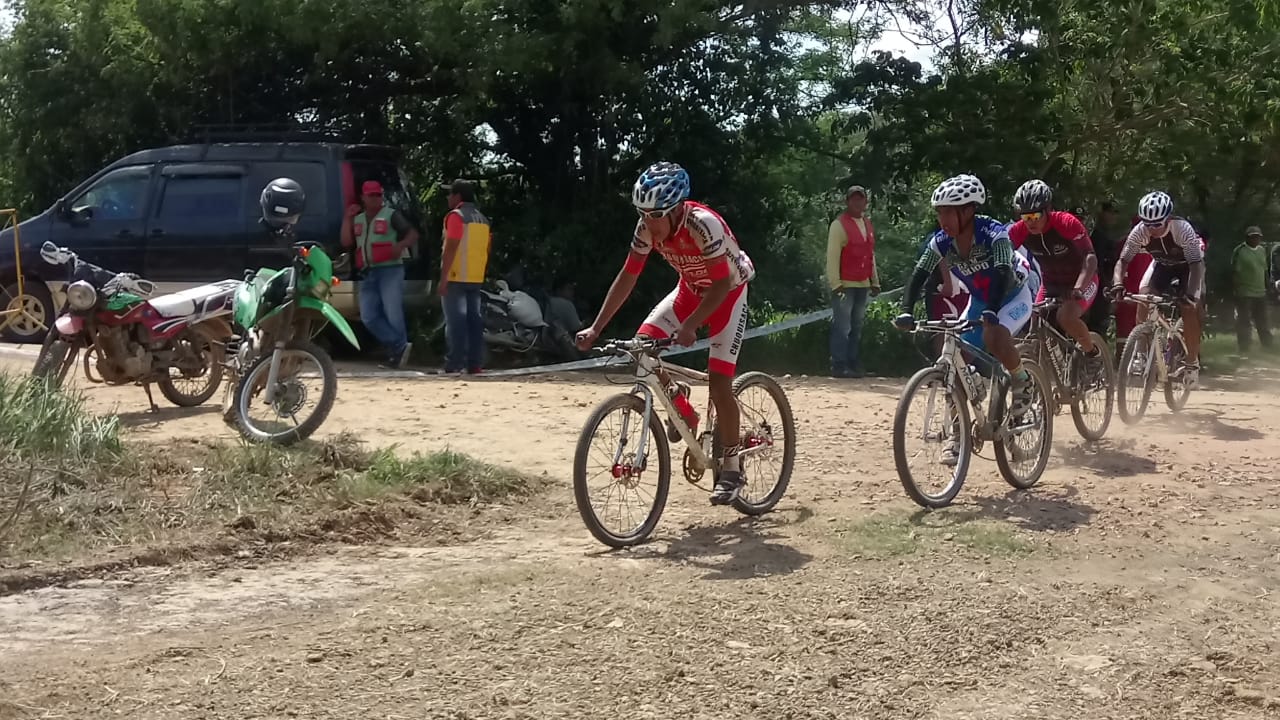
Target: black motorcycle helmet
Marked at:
282, 202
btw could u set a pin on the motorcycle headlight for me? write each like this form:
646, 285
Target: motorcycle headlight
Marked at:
81, 295
320, 289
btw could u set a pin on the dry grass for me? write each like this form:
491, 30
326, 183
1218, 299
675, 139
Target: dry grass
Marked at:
85, 491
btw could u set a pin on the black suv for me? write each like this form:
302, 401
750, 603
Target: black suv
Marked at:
186, 215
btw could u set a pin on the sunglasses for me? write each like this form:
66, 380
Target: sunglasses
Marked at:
1032, 216
1154, 223
656, 213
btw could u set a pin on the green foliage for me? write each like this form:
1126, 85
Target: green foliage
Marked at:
772, 106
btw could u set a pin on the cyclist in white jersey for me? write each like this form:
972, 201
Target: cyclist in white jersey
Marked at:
1176, 254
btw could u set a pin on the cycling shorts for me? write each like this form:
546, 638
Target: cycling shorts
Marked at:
1014, 314
1090, 293
727, 325
1159, 278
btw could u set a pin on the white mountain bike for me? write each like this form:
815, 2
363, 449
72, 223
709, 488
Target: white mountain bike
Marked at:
635, 437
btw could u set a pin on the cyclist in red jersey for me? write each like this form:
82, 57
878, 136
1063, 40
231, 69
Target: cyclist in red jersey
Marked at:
712, 291
1061, 244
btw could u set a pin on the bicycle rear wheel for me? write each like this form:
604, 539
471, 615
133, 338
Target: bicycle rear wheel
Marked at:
946, 422
1014, 462
772, 428
621, 470
1134, 380
1093, 394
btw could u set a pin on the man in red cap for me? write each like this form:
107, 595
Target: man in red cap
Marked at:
382, 237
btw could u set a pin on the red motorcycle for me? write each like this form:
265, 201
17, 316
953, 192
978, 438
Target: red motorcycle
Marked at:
176, 341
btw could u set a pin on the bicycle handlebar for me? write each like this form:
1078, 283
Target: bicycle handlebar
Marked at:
946, 326
1149, 299
636, 345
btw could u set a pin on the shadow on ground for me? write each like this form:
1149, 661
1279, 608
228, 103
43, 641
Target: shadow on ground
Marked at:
1205, 421
746, 548
1106, 458
145, 418
1036, 510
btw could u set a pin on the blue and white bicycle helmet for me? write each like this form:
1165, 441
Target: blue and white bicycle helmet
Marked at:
1155, 207
661, 186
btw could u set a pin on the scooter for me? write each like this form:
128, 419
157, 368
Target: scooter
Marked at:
513, 320
277, 313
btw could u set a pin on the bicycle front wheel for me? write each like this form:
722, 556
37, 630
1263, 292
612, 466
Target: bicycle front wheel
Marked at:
1134, 379
944, 425
609, 451
772, 426
1024, 453
1093, 394
1176, 390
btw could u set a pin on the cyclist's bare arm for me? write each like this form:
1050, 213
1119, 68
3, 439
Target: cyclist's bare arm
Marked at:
1087, 270
1133, 245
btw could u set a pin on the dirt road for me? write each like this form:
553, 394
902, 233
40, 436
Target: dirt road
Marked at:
1138, 580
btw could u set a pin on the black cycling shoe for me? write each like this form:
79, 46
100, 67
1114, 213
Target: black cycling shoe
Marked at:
728, 485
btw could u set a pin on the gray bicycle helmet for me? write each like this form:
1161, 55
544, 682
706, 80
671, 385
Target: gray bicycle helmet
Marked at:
1033, 196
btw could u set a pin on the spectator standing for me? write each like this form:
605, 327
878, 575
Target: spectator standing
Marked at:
1127, 312
1104, 246
853, 279
1249, 280
463, 262
382, 237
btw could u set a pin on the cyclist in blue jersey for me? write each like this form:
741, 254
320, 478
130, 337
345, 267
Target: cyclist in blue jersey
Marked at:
979, 253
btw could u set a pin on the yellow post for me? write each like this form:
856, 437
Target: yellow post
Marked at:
17, 306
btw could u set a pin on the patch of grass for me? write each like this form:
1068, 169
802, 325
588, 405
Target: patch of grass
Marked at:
892, 534
92, 492
1221, 354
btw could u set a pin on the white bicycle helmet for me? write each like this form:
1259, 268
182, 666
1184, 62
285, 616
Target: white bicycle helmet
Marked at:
959, 190
1155, 207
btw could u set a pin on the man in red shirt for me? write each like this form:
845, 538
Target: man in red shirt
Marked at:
1061, 244
712, 291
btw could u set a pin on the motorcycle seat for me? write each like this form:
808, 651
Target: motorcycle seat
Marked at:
211, 299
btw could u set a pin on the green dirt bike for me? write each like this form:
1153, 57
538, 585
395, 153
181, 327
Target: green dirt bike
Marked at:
276, 314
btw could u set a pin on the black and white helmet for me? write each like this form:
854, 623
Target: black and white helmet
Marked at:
959, 190
1033, 196
282, 202
1155, 207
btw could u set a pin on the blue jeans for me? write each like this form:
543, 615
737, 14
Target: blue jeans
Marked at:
382, 306
848, 311
464, 327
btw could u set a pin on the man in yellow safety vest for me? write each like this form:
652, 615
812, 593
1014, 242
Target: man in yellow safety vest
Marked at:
462, 266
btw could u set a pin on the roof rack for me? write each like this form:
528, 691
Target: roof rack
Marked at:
258, 132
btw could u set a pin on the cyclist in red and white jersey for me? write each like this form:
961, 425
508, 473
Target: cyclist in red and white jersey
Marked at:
712, 291
1061, 244
1177, 253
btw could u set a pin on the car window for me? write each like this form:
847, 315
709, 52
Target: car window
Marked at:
310, 175
195, 197
118, 195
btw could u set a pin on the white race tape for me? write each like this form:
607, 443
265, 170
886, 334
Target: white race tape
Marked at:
593, 363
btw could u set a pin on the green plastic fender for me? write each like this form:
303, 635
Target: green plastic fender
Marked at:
332, 316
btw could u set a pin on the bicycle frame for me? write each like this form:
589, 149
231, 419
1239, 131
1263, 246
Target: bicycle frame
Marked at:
649, 385
1042, 332
951, 361
1162, 329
